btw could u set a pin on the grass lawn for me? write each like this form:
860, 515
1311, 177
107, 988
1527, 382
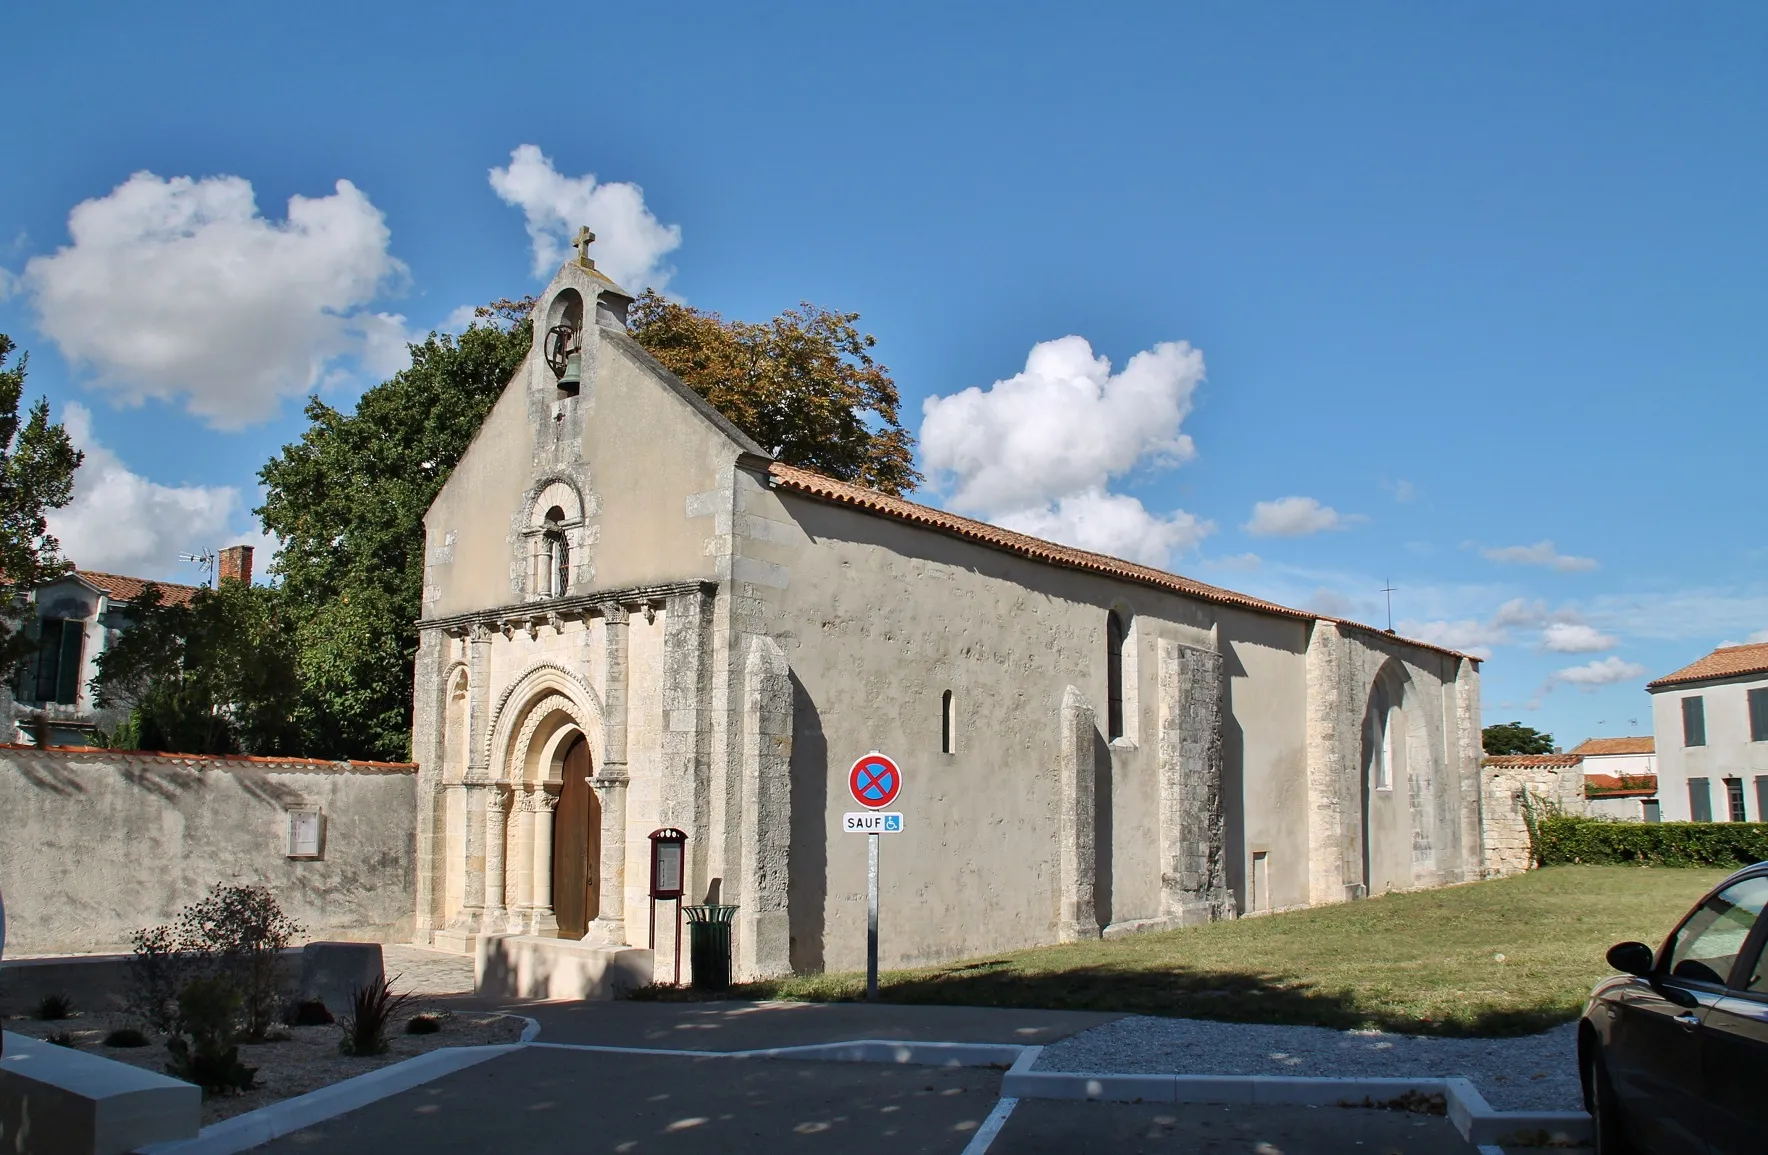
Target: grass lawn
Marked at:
1510, 956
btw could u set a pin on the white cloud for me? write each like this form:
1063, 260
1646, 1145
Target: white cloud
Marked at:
630, 241
120, 522
1332, 604
386, 346
179, 288
8, 283
1404, 491
1296, 517
1111, 523
1600, 672
1237, 561
1468, 635
1541, 553
1757, 637
1035, 452
460, 320
1571, 638
1520, 612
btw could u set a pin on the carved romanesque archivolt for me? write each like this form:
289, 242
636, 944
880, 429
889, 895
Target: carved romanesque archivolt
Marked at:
539, 707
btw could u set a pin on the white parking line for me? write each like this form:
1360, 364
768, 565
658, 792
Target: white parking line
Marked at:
991, 1126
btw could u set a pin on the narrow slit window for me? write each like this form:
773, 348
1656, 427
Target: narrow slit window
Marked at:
948, 736
1113, 676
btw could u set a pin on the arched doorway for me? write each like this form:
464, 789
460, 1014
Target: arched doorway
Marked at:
577, 826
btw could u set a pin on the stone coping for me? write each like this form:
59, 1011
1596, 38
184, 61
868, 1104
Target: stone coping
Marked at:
221, 761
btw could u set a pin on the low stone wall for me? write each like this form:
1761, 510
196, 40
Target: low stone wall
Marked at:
1506, 783
96, 843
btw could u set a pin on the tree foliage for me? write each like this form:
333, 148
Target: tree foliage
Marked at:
348, 501
1515, 738
213, 675
803, 385
37, 463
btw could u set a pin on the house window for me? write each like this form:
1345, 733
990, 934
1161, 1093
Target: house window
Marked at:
1734, 798
1762, 798
1700, 800
948, 725
1694, 721
59, 651
1759, 718
1113, 675
1652, 812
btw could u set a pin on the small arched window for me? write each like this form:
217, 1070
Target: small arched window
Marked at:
948, 724
556, 554
1114, 634
1385, 723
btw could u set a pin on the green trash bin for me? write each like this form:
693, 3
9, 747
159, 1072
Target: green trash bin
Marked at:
709, 945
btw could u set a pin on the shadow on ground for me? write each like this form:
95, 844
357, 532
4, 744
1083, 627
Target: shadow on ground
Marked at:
1227, 996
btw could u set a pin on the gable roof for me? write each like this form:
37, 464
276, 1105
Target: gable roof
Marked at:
129, 589
1597, 747
872, 501
1724, 662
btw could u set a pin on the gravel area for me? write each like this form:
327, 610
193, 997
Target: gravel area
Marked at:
422, 971
1532, 1073
305, 1060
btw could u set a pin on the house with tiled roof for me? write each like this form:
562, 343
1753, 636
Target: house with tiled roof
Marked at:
636, 620
72, 621
1711, 723
1620, 776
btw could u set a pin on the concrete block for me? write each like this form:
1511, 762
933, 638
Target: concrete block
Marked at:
1095, 1087
60, 1101
525, 966
333, 971
1212, 1089
1303, 1090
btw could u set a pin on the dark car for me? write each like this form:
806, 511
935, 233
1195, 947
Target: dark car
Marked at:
1674, 1051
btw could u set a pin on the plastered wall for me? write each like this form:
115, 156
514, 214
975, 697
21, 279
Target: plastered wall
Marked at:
96, 844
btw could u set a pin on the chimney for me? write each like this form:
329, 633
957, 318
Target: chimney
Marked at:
235, 565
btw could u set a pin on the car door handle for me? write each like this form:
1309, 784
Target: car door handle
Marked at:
1689, 1020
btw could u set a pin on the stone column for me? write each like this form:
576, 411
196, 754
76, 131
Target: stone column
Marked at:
429, 714
1466, 770
1076, 858
609, 927
764, 932
497, 804
543, 802
519, 874
472, 910
1193, 882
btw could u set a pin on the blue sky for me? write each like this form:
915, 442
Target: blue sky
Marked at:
1452, 282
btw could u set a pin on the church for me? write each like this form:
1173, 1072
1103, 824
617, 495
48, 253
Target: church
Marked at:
634, 618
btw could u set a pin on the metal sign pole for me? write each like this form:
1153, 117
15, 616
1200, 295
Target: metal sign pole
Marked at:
872, 918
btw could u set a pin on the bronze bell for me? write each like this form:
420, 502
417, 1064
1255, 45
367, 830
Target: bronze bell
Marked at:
573, 375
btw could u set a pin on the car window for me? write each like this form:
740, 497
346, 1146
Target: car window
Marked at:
1708, 944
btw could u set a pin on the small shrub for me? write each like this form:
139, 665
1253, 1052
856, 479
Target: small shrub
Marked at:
51, 1008
423, 1025
158, 970
205, 1050
1567, 839
308, 1013
125, 1037
244, 930
60, 1039
371, 1010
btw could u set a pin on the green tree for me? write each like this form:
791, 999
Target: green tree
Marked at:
803, 385
348, 501
37, 464
212, 675
1515, 738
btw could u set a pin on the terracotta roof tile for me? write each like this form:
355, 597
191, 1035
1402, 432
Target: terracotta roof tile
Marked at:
1596, 747
1724, 662
1525, 761
129, 589
842, 493
1640, 785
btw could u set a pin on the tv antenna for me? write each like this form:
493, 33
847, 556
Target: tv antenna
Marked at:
1388, 589
205, 562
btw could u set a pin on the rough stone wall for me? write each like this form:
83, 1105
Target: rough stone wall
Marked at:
98, 843
1334, 794
1509, 787
1192, 879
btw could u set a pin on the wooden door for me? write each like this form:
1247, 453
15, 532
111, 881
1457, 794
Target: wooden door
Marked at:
577, 838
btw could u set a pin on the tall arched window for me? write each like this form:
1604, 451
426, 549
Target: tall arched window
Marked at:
1386, 715
556, 554
1114, 634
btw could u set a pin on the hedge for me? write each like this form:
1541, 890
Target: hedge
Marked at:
1563, 839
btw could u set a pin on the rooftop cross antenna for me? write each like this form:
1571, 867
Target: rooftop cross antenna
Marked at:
1388, 589
205, 562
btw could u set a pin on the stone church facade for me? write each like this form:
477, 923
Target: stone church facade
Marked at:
633, 618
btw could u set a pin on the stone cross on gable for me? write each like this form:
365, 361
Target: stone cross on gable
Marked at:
582, 241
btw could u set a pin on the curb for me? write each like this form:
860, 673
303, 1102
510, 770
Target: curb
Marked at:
1467, 1109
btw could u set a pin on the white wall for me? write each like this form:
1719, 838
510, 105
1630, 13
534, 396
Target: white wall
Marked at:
1729, 753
